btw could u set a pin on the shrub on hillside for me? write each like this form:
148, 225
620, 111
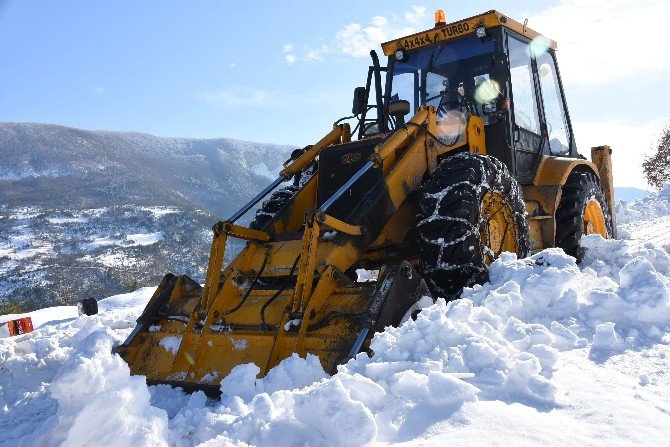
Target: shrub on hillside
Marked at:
656, 166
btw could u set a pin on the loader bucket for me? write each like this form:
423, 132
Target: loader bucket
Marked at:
170, 345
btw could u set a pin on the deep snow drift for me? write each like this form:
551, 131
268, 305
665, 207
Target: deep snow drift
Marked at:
546, 352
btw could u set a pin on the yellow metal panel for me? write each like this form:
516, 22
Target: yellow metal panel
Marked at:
241, 232
214, 269
406, 176
542, 232
459, 29
475, 135
334, 136
339, 225
541, 204
555, 170
302, 202
602, 158
401, 137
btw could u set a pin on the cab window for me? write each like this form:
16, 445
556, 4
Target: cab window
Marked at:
554, 111
406, 86
523, 91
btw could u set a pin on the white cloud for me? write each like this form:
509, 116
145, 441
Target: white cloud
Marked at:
356, 39
316, 55
99, 90
289, 57
232, 66
416, 15
603, 41
629, 143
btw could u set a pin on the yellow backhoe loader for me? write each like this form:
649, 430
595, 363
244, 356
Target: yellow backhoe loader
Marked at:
485, 163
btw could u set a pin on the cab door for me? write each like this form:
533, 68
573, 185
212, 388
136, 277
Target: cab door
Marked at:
556, 121
527, 127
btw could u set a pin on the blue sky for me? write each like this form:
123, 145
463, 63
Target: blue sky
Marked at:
284, 71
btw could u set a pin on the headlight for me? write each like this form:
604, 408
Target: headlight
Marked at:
481, 32
400, 55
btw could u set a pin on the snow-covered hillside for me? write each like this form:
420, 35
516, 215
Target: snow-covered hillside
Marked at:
56, 167
547, 352
95, 210
57, 257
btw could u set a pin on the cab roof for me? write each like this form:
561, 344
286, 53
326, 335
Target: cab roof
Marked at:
461, 28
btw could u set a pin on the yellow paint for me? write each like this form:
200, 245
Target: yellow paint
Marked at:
602, 158
338, 225
594, 219
555, 170
475, 135
459, 29
498, 231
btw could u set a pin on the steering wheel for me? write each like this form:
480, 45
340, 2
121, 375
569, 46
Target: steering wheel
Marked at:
463, 100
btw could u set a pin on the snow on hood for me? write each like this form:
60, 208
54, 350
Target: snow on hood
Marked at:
500, 343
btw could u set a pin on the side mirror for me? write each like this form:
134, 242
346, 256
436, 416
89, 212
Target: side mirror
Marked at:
360, 101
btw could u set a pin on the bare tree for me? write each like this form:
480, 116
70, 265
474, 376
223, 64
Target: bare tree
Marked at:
656, 166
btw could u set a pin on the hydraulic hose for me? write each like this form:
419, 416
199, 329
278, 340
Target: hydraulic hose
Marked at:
278, 292
251, 287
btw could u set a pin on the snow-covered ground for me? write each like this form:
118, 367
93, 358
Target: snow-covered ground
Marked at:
646, 220
547, 352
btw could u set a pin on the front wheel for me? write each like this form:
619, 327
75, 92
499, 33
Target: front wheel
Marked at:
471, 210
582, 210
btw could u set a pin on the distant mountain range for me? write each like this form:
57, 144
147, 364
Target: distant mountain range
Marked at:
53, 166
93, 213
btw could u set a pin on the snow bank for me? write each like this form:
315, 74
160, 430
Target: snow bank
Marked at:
45, 315
99, 403
653, 206
646, 220
500, 343
294, 372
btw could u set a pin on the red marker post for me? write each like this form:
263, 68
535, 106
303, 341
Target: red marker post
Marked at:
19, 326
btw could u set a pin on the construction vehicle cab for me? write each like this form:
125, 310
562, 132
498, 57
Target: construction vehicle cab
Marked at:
492, 67
484, 74
462, 149
478, 66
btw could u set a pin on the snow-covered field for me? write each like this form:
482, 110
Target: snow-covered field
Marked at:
547, 352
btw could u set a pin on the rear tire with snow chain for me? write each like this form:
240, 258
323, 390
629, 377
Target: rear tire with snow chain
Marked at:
470, 211
582, 210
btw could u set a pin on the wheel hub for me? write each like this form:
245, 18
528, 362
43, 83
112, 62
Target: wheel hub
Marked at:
497, 227
594, 219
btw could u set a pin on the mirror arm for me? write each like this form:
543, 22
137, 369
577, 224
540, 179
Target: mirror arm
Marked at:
381, 116
388, 86
361, 127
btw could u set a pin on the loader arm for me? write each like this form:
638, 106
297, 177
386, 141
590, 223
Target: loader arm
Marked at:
286, 291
